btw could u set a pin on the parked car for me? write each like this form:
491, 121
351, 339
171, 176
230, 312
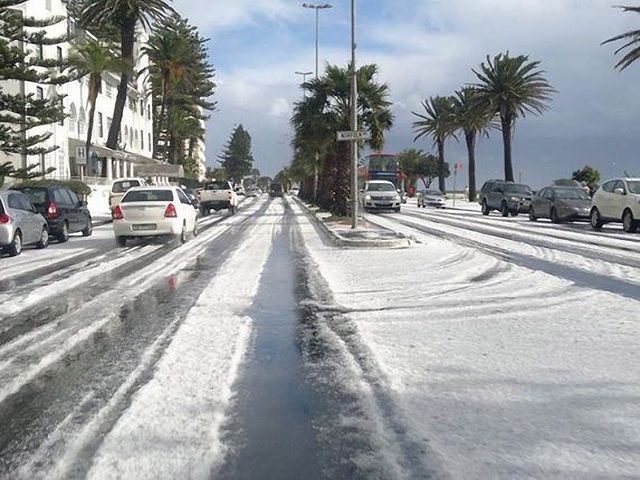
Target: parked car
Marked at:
193, 196
119, 188
275, 190
294, 191
617, 200
560, 204
218, 195
431, 197
154, 211
403, 196
20, 223
506, 197
240, 190
380, 195
60, 206
253, 192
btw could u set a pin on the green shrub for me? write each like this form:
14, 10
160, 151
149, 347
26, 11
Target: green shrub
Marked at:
79, 188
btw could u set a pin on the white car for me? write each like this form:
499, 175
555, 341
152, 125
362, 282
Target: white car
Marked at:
154, 211
380, 195
120, 187
617, 200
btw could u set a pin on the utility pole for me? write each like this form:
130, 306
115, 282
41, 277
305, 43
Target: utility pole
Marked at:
304, 80
354, 120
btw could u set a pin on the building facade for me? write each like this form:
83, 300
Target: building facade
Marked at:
70, 160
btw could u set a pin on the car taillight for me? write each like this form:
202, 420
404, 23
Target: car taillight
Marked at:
170, 211
4, 218
52, 211
229, 195
117, 213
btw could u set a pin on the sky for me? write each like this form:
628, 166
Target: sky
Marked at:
426, 48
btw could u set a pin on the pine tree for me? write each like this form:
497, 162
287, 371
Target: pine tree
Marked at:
237, 158
21, 42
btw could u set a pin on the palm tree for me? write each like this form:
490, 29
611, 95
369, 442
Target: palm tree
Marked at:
631, 41
472, 118
437, 122
125, 15
512, 87
93, 58
327, 109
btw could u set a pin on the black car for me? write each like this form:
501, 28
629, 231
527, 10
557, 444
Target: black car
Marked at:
64, 211
506, 197
275, 190
193, 196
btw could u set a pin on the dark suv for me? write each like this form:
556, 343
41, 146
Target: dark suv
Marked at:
65, 213
506, 197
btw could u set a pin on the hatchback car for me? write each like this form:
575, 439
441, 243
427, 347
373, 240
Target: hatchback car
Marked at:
560, 204
64, 211
617, 200
121, 186
152, 212
430, 197
380, 195
20, 223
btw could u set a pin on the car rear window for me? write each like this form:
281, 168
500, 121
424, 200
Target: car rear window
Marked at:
572, 194
148, 196
218, 186
38, 196
381, 187
514, 188
123, 186
634, 186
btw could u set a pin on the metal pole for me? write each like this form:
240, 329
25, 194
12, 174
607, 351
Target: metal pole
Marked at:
317, 14
354, 120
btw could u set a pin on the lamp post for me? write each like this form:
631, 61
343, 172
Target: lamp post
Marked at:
354, 120
304, 78
317, 8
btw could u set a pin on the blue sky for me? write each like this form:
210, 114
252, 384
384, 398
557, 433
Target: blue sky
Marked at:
425, 48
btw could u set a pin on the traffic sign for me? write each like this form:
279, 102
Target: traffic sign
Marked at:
81, 156
348, 136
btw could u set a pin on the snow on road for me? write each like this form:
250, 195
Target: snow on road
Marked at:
502, 371
181, 409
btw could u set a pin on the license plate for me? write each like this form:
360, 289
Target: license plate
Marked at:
145, 226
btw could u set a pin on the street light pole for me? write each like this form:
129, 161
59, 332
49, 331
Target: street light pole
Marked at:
317, 8
354, 120
304, 79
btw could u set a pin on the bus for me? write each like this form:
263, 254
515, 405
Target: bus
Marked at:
381, 166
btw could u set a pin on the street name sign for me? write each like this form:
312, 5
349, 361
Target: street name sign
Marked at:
349, 136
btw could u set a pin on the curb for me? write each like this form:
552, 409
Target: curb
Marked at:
339, 241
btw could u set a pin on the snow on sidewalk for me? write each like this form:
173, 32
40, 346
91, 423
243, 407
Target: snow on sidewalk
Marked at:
171, 429
503, 371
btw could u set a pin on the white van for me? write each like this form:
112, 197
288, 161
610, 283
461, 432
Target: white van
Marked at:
121, 186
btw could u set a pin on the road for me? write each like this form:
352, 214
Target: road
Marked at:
258, 350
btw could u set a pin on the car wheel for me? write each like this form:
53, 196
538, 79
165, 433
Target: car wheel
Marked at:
397, 209
504, 209
628, 222
184, 235
88, 229
121, 241
532, 215
63, 236
15, 247
514, 213
44, 239
485, 208
196, 228
596, 219
553, 215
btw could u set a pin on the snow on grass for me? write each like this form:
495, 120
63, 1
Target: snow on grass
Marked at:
171, 429
502, 371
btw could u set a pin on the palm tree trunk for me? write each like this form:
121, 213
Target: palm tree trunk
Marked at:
127, 36
507, 124
342, 181
441, 180
470, 137
327, 180
92, 113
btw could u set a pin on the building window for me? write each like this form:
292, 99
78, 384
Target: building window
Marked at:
59, 51
141, 140
39, 93
131, 136
100, 126
135, 135
61, 106
142, 108
108, 90
148, 112
82, 119
40, 52
43, 166
72, 118
126, 135
149, 138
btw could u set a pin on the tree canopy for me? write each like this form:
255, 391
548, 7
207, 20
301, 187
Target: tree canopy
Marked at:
237, 158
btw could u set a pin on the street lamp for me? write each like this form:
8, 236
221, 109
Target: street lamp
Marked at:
354, 120
304, 80
317, 8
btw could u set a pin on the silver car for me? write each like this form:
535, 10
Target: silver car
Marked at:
20, 223
430, 198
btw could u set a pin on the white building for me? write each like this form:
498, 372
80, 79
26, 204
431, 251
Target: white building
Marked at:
136, 133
